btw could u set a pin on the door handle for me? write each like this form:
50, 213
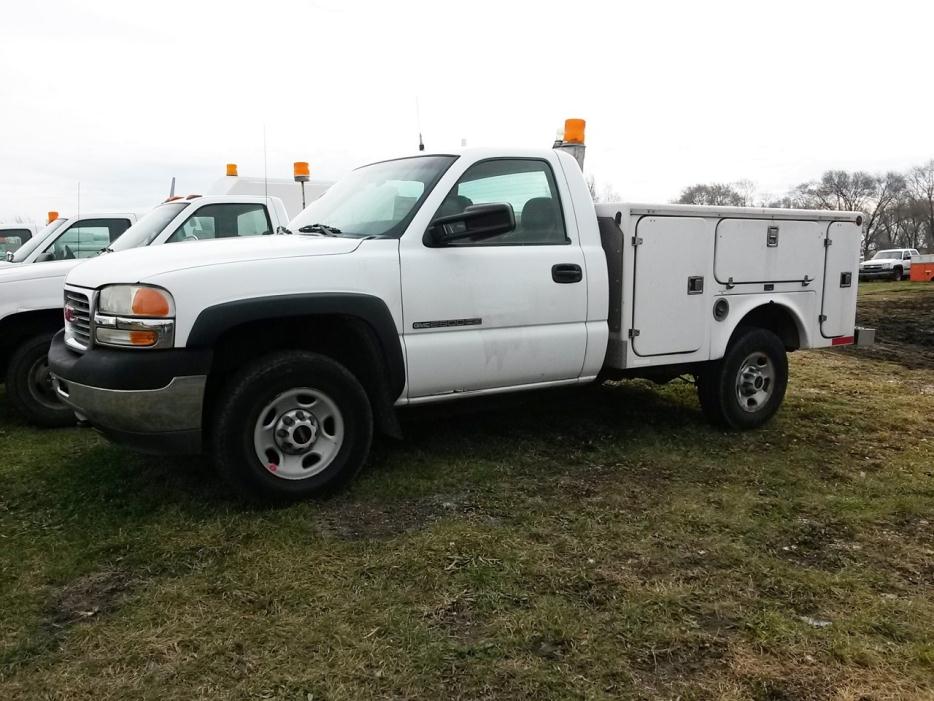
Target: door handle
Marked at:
565, 273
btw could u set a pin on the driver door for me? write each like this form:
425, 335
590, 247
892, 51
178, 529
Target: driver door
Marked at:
499, 312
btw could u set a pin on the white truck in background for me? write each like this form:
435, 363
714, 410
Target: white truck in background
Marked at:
434, 277
31, 285
12, 236
892, 263
72, 237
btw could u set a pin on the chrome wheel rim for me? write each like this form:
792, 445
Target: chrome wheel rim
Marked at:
298, 434
40, 384
755, 382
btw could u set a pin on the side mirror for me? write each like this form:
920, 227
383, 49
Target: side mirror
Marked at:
9, 256
479, 221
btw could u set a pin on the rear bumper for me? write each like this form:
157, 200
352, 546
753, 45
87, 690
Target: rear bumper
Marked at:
155, 409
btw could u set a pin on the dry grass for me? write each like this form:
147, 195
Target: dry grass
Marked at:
593, 544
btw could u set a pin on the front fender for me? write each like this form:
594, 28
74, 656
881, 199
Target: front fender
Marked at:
212, 322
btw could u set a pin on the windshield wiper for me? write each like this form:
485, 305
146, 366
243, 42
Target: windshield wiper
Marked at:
323, 229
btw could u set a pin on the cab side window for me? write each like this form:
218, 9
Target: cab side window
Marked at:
11, 239
216, 221
528, 185
86, 239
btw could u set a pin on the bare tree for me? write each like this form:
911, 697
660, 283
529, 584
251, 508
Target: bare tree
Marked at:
607, 194
921, 186
718, 194
853, 192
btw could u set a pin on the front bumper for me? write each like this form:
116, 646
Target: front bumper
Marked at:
875, 274
151, 401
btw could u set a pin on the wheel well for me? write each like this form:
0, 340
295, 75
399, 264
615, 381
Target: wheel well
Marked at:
18, 327
349, 340
777, 319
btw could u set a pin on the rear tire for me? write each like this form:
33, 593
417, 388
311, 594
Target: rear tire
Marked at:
29, 385
746, 387
291, 425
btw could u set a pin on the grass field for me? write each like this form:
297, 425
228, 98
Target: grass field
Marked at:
591, 544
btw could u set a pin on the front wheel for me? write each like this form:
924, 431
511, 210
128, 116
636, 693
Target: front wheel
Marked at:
898, 275
291, 425
746, 387
29, 385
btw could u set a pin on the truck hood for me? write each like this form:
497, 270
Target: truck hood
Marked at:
36, 271
880, 261
140, 264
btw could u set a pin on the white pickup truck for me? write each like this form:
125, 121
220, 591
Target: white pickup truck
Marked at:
12, 236
68, 238
31, 285
893, 263
432, 277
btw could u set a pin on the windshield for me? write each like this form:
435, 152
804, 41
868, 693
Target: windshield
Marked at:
22, 253
375, 200
148, 227
887, 254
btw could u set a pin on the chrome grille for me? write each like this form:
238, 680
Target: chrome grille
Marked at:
77, 320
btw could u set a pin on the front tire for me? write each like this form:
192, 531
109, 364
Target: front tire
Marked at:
291, 425
29, 385
898, 275
746, 387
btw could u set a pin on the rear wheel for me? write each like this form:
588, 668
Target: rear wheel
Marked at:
746, 387
29, 385
291, 425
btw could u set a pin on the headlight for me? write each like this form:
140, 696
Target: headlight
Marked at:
136, 316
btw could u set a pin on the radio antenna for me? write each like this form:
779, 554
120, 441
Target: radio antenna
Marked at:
418, 124
265, 167
172, 188
78, 200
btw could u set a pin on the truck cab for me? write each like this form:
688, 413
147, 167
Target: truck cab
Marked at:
72, 238
436, 277
14, 236
31, 285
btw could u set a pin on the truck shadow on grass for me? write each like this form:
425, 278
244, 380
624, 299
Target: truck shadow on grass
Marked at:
446, 449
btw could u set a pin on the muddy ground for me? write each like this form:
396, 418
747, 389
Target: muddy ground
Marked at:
903, 316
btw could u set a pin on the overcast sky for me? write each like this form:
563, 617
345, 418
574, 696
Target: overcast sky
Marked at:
123, 95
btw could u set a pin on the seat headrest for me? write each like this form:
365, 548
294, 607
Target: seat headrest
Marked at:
539, 214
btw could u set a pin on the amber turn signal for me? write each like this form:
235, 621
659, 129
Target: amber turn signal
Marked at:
150, 302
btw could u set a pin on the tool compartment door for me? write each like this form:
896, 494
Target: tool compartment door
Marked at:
669, 317
763, 250
838, 304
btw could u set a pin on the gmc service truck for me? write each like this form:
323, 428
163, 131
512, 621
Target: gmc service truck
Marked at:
31, 286
439, 276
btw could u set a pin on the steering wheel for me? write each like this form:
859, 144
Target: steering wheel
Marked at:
69, 254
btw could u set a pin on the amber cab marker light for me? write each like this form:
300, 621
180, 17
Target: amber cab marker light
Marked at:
149, 302
52, 217
574, 131
301, 171
232, 170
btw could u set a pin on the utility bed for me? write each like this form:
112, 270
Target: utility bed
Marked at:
669, 265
